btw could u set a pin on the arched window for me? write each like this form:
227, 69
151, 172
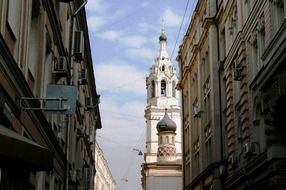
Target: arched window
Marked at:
174, 89
153, 89
167, 140
163, 88
163, 68
161, 140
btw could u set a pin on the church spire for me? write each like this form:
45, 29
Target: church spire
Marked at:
163, 26
163, 54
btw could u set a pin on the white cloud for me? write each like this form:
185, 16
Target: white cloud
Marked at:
123, 129
145, 27
141, 53
96, 22
111, 35
120, 77
97, 6
145, 4
171, 19
135, 41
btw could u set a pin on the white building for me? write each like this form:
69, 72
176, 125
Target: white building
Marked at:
162, 168
103, 179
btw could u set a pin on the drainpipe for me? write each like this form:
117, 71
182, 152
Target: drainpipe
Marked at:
68, 117
219, 86
220, 65
183, 123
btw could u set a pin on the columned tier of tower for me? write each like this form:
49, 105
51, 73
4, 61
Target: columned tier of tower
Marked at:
153, 114
166, 147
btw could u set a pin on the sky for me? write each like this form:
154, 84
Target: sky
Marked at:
124, 37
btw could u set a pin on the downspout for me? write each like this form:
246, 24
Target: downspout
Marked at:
183, 123
220, 65
68, 117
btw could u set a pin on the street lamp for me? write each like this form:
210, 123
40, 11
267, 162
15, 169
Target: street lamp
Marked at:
124, 179
139, 151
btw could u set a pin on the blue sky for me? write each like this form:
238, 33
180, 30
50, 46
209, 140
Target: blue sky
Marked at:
124, 41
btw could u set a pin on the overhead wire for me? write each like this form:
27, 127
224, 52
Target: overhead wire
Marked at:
131, 160
178, 35
190, 14
119, 113
122, 85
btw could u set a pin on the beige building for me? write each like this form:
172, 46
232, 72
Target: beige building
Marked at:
162, 168
48, 101
103, 178
233, 85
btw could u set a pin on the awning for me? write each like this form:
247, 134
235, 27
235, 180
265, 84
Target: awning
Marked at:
18, 151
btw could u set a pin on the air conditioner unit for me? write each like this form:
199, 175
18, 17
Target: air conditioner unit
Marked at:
73, 175
78, 46
197, 112
60, 135
82, 77
232, 160
60, 65
237, 70
251, 149
261, 26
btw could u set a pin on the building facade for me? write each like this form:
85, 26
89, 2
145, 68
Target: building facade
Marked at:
233, 89
103, 178
48, 101
162, 166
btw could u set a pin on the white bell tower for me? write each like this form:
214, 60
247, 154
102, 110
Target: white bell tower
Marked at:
161, 94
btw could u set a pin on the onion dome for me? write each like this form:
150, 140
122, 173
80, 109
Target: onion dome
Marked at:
166, 124
163, 37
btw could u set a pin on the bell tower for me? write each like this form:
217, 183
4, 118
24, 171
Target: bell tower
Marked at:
161, 94
162, 167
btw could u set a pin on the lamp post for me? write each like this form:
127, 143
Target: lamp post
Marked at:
139, 151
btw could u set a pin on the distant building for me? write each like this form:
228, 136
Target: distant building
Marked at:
162, 168
233, 71
103, 178
48, 100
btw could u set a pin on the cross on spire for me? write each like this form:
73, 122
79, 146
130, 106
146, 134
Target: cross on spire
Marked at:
163, 27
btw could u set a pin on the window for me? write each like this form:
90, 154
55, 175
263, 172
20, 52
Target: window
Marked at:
248, 5
255, 61
163, 88
153, 89
222, 45
208, 143
174, 89
34, 44
197, 157
278, 13
13, 16
261, 36
163, 68
258, 132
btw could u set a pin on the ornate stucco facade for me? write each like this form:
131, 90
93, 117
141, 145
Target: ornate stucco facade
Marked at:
162, 166
44, 46
103, 178
233, 89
